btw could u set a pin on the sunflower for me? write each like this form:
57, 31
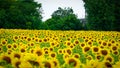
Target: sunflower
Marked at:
98, 57
89, 58
29, 39
76, 42
86, 40
115, 52
100, 42
20, 44
40, 40
114, 48
16, 63
35, 63
53, 54
102, 47
82, 45
76, 56
90, 43
46, 52
112, 41
107, 64
53, 44
51, 39
45, 48
104, 43
94, 64
25, 37
22, 49
17, 55
15, 37
21, 37
71, 61
86, 49
14, 46
71, 46
109, 44
31, 50
109, 58
29, 56
6, 58
68, 51
95, 49
104, 52
51, 49
65, 56
36, 39
31, 44
38, 52
68, 39
4, 42
67, 43
9, 46
45, 40
118, 45
58, 45
25, 64
60, 51
48, 38
48, 64
56, 63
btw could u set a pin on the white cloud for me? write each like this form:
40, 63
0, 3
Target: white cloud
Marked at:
49, 6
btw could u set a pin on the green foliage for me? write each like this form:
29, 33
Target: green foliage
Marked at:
60, 58
78, 50
117, 14
44, 44
81, 39
25, 14
102, 14
5, 64
64, 19
4, 48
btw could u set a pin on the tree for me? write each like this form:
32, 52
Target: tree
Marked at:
102, 14
52, 24
117, 14
25, 14
64, 19
62, 12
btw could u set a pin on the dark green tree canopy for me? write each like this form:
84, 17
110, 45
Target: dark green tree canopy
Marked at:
103, 14
62, 12
20, 14
64, 19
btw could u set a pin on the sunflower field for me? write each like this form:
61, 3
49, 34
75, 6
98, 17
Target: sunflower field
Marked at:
59, 49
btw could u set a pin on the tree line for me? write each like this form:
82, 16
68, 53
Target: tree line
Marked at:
103, 14
20, 14
27, 14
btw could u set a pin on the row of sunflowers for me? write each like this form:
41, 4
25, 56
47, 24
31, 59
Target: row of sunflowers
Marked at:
59, 49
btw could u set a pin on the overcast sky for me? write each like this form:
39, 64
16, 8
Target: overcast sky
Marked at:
49, 6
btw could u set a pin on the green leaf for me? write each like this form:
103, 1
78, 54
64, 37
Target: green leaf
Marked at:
4, 48
44, 44
81, 39
60, 59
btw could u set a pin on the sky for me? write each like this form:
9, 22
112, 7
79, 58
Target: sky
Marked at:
49, 6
